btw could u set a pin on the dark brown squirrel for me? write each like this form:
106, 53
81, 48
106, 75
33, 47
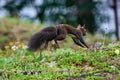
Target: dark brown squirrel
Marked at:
57, 32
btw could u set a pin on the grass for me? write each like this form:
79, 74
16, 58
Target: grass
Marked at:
61, 64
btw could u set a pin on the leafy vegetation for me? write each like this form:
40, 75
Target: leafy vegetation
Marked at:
101, 63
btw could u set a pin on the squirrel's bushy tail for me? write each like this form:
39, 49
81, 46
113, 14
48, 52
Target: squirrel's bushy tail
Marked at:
36, 41
41, 37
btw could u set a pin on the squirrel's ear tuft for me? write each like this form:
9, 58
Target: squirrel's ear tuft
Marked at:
83, 26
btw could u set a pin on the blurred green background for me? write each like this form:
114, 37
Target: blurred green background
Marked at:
22, 18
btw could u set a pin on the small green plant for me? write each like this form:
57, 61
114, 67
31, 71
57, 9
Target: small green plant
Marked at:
94, 78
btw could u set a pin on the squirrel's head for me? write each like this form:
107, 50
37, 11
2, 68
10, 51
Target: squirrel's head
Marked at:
82, 29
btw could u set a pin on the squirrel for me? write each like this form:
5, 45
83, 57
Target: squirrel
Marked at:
57, 32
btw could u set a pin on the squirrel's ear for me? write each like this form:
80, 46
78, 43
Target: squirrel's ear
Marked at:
79, 26
83, 26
